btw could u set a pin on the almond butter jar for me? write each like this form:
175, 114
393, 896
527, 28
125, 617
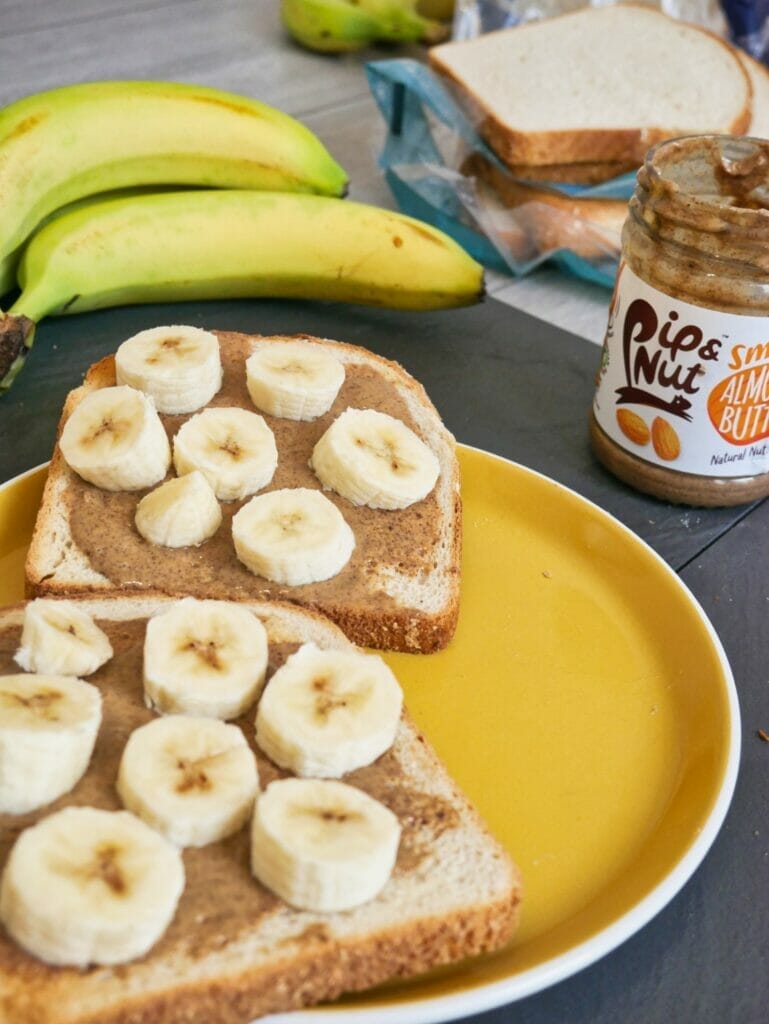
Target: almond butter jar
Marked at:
681, 409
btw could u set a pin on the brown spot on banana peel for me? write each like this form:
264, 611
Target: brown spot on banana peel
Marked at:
238, 108
16, 336
426, 234
25, 126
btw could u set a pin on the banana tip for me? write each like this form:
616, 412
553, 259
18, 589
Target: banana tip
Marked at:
16, 335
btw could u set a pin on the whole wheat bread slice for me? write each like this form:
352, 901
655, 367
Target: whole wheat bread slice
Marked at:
400, 590
598, 84
233, 952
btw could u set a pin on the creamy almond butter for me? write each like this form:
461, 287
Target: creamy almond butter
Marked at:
102, 522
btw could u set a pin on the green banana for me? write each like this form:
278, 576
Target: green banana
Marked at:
335, 26
442, 10
231, 244
78, 140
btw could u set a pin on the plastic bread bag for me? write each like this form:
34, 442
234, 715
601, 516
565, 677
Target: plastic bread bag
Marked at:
440, 170
749, 26
474, 17
510, 218
744, 22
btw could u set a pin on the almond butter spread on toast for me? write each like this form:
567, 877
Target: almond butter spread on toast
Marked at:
102, 522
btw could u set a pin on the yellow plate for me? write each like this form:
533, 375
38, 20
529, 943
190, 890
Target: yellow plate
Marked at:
587, 708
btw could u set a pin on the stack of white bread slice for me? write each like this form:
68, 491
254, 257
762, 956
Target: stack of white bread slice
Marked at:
159, 865
579, 99
601, 84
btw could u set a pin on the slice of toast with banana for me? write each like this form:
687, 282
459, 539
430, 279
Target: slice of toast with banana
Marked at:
179, 872
187, 464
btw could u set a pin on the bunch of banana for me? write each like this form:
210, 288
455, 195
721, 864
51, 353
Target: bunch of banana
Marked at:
78, 140
231, 243
336, 26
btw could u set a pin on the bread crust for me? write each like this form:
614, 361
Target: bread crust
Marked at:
628, 146
758, 74
321, 972
290, 959
586, 145
585, 173
402, 628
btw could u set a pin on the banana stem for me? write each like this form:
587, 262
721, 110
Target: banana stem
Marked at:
16, 336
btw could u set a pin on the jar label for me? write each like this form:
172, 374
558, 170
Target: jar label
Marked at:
684, 387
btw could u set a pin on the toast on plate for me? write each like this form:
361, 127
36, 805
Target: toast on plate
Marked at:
400, 588
233, 951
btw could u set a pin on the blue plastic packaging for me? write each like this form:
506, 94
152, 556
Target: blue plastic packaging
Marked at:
426, 130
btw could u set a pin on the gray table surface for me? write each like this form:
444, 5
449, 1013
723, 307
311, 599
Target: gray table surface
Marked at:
704, 958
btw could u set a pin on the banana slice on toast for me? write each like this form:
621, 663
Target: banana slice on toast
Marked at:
233, 448
374, 459
295, 380
180, 367
322, 845
325, 713
204, 658
114, 439
292, 536
48, 727
192, 779
60, 638
182, 512
87, 886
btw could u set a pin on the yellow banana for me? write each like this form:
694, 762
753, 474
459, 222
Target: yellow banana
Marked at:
78, 140
335, 26
231, 244
443, 10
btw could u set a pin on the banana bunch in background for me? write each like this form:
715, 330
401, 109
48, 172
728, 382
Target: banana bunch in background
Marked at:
59, 146
336, 26
91, 212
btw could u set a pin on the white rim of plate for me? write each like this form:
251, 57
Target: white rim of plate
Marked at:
499, 993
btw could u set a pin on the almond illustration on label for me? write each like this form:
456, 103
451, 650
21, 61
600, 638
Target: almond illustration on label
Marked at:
633, 426
665, 440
